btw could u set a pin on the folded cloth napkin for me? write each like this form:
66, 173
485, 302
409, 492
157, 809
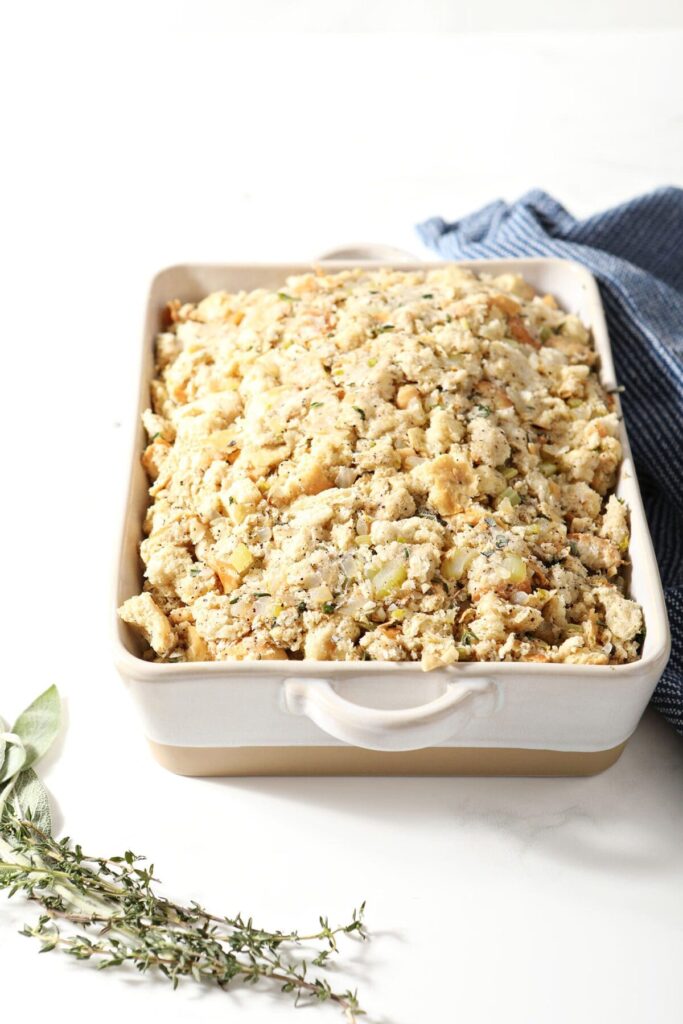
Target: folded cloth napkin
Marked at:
635, 251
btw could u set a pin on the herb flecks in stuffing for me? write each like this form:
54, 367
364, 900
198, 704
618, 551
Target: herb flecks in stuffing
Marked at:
434, 446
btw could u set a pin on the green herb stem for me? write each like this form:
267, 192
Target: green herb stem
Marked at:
135, 924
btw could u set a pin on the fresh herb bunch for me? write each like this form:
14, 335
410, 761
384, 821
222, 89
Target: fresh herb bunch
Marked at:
106, 909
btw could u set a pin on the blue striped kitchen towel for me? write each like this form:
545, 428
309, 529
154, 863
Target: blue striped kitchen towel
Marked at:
635, 251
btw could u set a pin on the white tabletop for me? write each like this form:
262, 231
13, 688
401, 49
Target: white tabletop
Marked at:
133, 142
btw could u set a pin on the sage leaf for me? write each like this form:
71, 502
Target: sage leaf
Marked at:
31, 800
15, 756
38, 725
5, 792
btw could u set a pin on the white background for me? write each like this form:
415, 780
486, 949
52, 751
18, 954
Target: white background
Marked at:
134, 137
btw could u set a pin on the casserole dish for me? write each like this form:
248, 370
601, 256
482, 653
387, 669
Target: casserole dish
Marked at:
315, 717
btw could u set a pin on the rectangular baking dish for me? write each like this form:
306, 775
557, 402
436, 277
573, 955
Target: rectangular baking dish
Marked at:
310, 718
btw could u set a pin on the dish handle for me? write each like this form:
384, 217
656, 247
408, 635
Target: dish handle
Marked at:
370, 251
391, 730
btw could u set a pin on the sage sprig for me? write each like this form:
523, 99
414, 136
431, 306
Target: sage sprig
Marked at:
30, 738
108, 909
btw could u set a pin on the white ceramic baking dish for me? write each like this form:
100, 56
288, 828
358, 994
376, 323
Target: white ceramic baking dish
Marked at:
307, 717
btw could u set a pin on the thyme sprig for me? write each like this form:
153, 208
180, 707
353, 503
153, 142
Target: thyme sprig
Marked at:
108, 909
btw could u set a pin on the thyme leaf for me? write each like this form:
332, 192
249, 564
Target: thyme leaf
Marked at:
109, 909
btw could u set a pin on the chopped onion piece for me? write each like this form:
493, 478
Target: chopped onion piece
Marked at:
456, 563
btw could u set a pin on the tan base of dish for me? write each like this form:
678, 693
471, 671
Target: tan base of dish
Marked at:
241, 761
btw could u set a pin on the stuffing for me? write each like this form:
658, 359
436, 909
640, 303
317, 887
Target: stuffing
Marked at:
144, 613
383, 465
624, 618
